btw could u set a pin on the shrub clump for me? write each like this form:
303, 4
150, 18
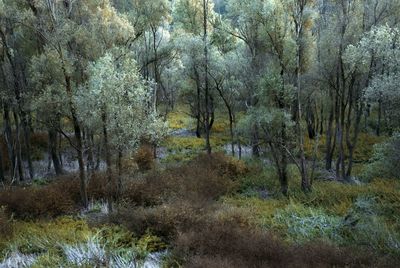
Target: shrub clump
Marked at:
225, 244
204, 179
35, 202
301, 224
385, 160
144, 158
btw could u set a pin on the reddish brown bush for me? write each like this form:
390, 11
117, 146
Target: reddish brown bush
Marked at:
34, 202
97, 187
39, 140
164, 221
204, 179
144, 158
221, 164
221, 244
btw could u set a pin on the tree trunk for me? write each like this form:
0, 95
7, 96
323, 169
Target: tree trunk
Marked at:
328, 144
119, 166
53, 151
108, 160
207, 125
1, 167
18, 148
18, 91
9, 139
255, 142
378, 127
79, 143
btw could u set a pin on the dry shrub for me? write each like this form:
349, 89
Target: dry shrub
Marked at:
221, 164
39, 140
97, 187
204, 179
52, 200
223, 243
213, 261
35, 202
69, 185
164, 221
144, 158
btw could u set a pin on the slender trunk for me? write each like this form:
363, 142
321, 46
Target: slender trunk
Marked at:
231, 132
53, 151
230, 115
1, 167
310, 122
198, 123
79, 142
18, 96
239, 143
283, 170
206, 87
305, 184
321, 127
9, 139
119, 166
378, 127
255, 142
18, 148
283, 178
98, 157
27, 152
60, 150
89, 146
329, 147
108, 160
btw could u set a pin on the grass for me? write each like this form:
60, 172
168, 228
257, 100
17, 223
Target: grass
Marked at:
69, 242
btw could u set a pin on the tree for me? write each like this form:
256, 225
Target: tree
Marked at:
117, 100
14, 61
70, 43
381, 46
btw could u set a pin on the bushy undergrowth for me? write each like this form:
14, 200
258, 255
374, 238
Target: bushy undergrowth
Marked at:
385, 159
204, 179
33, 202
213, 211
226, 244
144, 158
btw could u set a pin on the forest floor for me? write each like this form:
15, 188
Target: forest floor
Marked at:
192, 210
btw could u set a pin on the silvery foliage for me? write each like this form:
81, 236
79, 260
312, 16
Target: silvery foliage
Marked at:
382, 44
100, 206
17, 259
94, 252
385, 160
116, 89
91, 252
